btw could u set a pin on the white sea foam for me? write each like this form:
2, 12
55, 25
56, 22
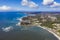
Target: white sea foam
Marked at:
20, 19
7, 29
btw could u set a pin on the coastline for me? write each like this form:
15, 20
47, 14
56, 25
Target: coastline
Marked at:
20, 19
50, 32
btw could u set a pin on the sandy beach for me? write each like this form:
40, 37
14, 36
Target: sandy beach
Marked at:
50, 32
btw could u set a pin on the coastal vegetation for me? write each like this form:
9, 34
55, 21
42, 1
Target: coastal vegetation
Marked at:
49, 20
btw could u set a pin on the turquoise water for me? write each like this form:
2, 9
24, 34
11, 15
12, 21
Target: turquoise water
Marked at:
8, 19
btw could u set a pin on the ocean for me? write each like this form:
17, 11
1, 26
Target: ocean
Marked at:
10, 31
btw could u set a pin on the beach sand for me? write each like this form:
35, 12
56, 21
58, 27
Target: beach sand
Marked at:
50, 32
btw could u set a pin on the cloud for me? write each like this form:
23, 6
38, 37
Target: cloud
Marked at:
28, 3
24, 2
32, 5
7, 29
47, 2
4, 7
55, 4
51, 3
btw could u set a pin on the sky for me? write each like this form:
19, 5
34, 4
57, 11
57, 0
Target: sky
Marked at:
29, 5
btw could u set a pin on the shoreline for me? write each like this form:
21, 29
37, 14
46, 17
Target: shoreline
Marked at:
20, 19
51, 32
